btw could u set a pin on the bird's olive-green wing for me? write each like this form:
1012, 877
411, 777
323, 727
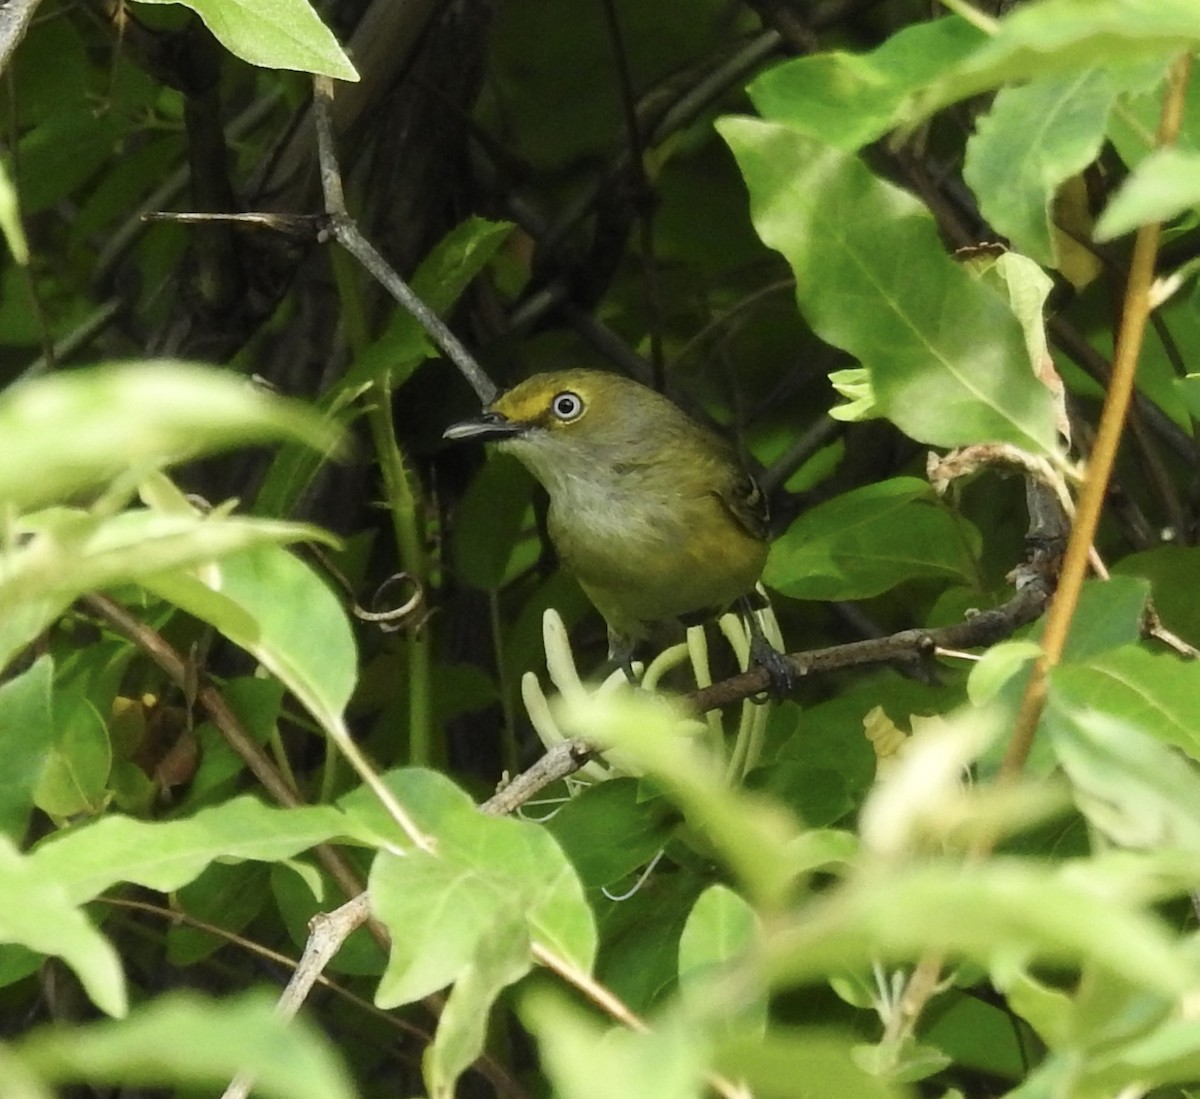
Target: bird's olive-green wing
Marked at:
746, 502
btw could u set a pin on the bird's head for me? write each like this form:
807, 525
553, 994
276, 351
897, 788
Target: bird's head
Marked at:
570, 422
567, 404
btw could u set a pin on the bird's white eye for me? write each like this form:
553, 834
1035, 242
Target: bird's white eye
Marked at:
567, 406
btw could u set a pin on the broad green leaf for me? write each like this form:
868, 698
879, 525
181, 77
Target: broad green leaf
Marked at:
997, 667
187, 1042
1168, 1055
1065, 36
500, 961
721, 929
822, 849
610, 830
1026, 288
72, 431
72, 552
19, 1079
1171, 570
1032, 139
849, 100
1109, 616
1047, 1009
975, 1033
1154, 692
225, 895
75, 778
816, 793
275, 607
1005, 911
39, 914
801, 1063
26, 739
276, 34
1132, 787
748, 831
585, 1060
869, 540
166, 855
1163, 186
947, 356
489, 877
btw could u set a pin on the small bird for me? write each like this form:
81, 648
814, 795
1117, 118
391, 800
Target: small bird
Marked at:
649, 510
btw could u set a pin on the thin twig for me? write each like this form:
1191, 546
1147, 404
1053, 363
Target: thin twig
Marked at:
561, 760
985, 628
347, 234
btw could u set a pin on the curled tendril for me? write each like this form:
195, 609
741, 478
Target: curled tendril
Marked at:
396, 618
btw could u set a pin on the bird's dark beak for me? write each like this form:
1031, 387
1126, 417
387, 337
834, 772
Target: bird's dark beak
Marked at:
486, 426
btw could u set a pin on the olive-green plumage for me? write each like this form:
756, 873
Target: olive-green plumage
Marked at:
649, 510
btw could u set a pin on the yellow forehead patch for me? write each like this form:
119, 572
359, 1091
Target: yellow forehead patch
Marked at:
529, 402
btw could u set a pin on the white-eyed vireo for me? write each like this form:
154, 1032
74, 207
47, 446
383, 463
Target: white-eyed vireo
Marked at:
649, 510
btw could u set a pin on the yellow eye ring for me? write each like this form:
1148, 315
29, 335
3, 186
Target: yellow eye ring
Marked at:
567, 406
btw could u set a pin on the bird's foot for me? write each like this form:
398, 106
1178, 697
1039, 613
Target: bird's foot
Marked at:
780, 670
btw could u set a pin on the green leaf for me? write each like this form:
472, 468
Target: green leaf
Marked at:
75, 552
800, 1063
1154, 692
1170, 570
849, 100
609, 830
1034, 138
1109, 616
1163, 186
72, 431
75, 777
869, 540
500, 961
662, 743
275, 607
1132, 787
1168, 1055
26, 737
187, 1041
276, 34
1005, 911
38, 913
946, 355
1047, 1009
489, 877
1026, 288
721, 929
585, 1060
224, 895
1064, 36
164, 856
